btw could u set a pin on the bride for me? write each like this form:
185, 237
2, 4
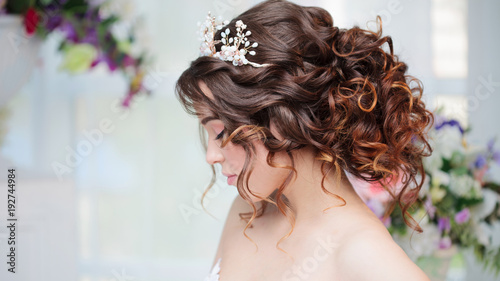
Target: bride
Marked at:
292, 104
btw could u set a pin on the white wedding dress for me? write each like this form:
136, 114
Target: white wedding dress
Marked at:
214, 274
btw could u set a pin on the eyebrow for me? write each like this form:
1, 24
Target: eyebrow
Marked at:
206, 119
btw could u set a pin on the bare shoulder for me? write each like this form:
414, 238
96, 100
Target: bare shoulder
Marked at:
233, 223
233, 220
373, 255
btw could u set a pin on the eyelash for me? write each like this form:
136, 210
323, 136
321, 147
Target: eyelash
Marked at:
219, 135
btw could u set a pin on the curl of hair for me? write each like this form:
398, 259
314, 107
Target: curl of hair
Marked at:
340, 91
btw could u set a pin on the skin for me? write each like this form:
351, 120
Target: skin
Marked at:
330, 245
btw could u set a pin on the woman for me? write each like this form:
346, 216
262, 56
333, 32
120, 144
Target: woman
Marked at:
291, 104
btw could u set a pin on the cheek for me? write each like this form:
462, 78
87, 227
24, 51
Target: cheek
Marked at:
235, 156
265, 179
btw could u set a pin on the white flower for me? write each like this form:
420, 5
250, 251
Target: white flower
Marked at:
495, 237
228, 52
433, 162
488, 235
425, 186
447, 140
437, 194
483, 232
422, 244
465, 186
440, 178
485, 208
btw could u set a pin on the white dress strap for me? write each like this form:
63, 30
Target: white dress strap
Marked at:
214, 274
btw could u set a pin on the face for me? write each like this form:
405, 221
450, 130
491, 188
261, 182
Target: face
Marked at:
264, 179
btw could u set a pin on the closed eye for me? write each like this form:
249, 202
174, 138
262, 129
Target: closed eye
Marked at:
219, 135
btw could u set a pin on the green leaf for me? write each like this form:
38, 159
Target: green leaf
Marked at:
18, 6
457, 159
46, 2
446, 205
74, 3
109, 21
459, 171
467, 202
493, 186
76, 7
446, 165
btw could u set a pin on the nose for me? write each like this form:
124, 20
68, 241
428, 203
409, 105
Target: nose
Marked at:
214, 153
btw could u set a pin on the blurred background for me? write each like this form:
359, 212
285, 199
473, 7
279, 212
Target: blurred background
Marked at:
106, 192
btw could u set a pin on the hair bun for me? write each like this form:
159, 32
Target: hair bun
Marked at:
336, 90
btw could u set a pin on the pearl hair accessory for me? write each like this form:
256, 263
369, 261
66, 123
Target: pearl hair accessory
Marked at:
234, 49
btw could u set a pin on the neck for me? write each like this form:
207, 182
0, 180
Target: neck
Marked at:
305, 195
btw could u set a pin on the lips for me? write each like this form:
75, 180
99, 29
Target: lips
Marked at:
231, 179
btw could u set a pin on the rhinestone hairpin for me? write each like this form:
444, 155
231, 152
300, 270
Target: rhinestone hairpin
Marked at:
234, 49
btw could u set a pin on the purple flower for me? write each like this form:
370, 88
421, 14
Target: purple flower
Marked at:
54, 22
451, 123
491, 143
376, 207
462, 216
69, 31
387, 221
91, 37
445, 242
128, 61
496, 157
128, 98
104, 58
431, 209
480, 162
52, 15
444, 224
111, 64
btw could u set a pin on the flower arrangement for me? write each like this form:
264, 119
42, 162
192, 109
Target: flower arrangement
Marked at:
88, 36
458, 204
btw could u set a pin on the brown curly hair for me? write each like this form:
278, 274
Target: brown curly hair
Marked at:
335, 89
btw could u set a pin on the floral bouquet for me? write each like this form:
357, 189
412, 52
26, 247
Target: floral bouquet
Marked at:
458, 204
90, 36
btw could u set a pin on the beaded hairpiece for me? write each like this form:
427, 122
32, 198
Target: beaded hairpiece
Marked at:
234, 48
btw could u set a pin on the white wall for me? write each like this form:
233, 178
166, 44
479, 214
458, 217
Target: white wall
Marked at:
483, 83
